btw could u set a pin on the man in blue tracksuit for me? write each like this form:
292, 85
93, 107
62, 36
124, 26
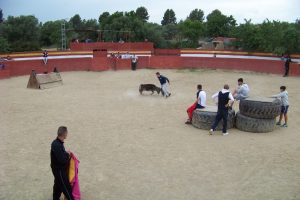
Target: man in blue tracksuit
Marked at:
59, 163
164, 81
225, 100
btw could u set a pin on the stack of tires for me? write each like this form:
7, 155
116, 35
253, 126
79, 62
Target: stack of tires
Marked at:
258, 115
204, 118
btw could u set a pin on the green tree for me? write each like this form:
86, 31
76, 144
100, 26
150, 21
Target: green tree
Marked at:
90, 28
169, 17
291, 39
22, 33
170, 31
247, 35
153, 33
191, 30
196, 15
125, 26
51, 33
1, 16
278, 37
103, 17
76, 22
297, 23
219, 24
4, 46
270, 36
142, 13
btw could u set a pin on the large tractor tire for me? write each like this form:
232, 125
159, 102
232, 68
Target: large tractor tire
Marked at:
260, 108
204, 118
249, 124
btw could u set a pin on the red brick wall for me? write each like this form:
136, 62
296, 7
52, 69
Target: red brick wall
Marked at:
167, 52
102, 64
4, 74
122, 64
18, 68
143, 62
100, 53
168, 62
266, 66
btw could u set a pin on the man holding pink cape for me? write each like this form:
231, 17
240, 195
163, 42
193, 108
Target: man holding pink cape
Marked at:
59, 163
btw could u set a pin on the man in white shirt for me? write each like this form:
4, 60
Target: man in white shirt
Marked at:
199, 104
225, 100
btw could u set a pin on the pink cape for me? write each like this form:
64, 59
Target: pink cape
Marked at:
73, 176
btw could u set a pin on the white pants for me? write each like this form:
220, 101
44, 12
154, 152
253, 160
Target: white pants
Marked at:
164, 88
45, 59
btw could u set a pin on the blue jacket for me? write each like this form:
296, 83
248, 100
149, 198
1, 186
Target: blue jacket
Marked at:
162, 79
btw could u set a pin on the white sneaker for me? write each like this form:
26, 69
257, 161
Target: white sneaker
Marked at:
225, 133
211, 131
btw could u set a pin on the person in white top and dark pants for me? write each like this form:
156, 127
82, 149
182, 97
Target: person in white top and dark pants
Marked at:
199, 104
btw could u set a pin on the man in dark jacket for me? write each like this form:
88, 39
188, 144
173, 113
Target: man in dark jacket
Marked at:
59, 163
164, 82
287, 62
225, 100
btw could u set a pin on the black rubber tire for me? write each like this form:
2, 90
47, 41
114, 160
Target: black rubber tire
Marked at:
260, 109
204, 119
253, 125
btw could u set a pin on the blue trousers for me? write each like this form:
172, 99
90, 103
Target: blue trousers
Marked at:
221, 114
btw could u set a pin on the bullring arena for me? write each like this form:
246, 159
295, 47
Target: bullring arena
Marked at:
133, 146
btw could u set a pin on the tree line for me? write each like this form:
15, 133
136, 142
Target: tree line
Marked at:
26, 33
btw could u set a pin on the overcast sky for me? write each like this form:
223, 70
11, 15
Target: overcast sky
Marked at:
257, 10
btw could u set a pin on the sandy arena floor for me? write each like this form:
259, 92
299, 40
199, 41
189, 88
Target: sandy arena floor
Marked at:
134, 147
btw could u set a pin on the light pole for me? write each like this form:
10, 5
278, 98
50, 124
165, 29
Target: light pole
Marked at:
63, 35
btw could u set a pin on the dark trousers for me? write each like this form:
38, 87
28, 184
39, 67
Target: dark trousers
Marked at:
223, 114
133, 65
61, 185
287, 68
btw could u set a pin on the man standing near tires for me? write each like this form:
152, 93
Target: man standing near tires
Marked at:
225, 100
59, 163
164, 81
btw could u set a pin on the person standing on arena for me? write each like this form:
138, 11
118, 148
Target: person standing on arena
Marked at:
284, 97
134, 60
287, 62
164, 82
225, 100
59, 163
199, 104
242, 91
45, 56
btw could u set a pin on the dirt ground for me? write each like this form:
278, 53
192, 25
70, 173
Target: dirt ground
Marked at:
135, 147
